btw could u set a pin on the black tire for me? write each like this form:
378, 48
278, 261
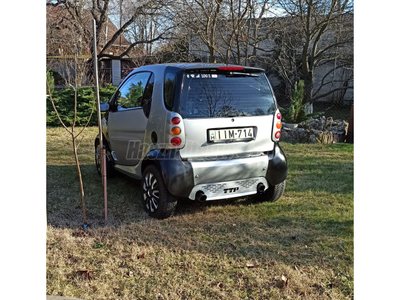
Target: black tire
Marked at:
272, 194
109, 160
157, 201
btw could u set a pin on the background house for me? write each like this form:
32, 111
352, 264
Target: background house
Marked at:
66, 37
276, 45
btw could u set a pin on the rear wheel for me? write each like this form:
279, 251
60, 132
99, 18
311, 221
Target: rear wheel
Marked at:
272, 194
157, 201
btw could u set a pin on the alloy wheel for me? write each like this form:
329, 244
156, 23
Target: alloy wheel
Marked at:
151, 192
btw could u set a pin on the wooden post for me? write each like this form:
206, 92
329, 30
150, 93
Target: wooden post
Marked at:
103, 150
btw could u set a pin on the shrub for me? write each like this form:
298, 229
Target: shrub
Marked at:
296, 113
50, 81
64, 101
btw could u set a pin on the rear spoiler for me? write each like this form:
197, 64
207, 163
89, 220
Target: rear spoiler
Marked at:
222, 69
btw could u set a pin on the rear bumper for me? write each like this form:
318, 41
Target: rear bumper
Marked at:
219, 178
229, 189
277, 166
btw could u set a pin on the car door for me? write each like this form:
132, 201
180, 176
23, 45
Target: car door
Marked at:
126, 121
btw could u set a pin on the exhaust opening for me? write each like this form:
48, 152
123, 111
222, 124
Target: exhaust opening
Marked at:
260, 188
200, 196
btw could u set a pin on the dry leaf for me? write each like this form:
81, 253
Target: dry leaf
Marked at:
284, 280
86, 274
128, 274
231, 245
272, 263
80, 233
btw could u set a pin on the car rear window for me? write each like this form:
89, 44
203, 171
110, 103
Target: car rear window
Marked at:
216, 95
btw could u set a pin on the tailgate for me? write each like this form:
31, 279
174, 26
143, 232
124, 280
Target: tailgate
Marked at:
212, 137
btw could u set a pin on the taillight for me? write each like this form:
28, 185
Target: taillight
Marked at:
175, 130
175, 120
276, 129
176, 141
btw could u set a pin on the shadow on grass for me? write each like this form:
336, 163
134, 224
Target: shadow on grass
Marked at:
64, 206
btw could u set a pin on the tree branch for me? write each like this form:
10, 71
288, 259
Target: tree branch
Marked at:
55, 109
314, 98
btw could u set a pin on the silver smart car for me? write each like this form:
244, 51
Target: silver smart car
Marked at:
197, 131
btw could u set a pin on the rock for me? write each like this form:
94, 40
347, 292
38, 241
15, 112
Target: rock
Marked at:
321, 123
284, 136
313, 124
323, 130
304, 136
290, 125
313, 139
300, 130
289, 136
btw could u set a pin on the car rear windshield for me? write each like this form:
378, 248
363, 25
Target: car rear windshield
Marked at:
226, 95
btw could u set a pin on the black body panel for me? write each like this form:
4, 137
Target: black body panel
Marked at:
177, 174
277, 167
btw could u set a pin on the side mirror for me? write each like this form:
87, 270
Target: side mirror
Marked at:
104, 106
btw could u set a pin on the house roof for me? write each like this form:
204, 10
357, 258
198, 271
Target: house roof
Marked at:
63, 35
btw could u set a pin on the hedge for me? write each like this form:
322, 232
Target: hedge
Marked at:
64, 102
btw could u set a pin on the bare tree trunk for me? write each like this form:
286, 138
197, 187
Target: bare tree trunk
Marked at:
212, 58
71, 131
316, 18
80, 177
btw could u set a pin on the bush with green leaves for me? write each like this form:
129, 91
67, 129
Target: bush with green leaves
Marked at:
49, 81
64, 101
296, 113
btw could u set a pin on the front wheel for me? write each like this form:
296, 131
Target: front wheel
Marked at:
272, 194
157, 201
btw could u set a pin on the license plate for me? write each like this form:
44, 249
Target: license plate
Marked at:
231, 134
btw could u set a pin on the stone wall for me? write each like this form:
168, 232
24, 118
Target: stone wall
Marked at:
322, 130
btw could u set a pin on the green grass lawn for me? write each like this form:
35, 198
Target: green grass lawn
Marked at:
216, 250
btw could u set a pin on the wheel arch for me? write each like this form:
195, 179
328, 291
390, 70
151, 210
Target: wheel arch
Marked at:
277, 167
177, 175
105, 142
